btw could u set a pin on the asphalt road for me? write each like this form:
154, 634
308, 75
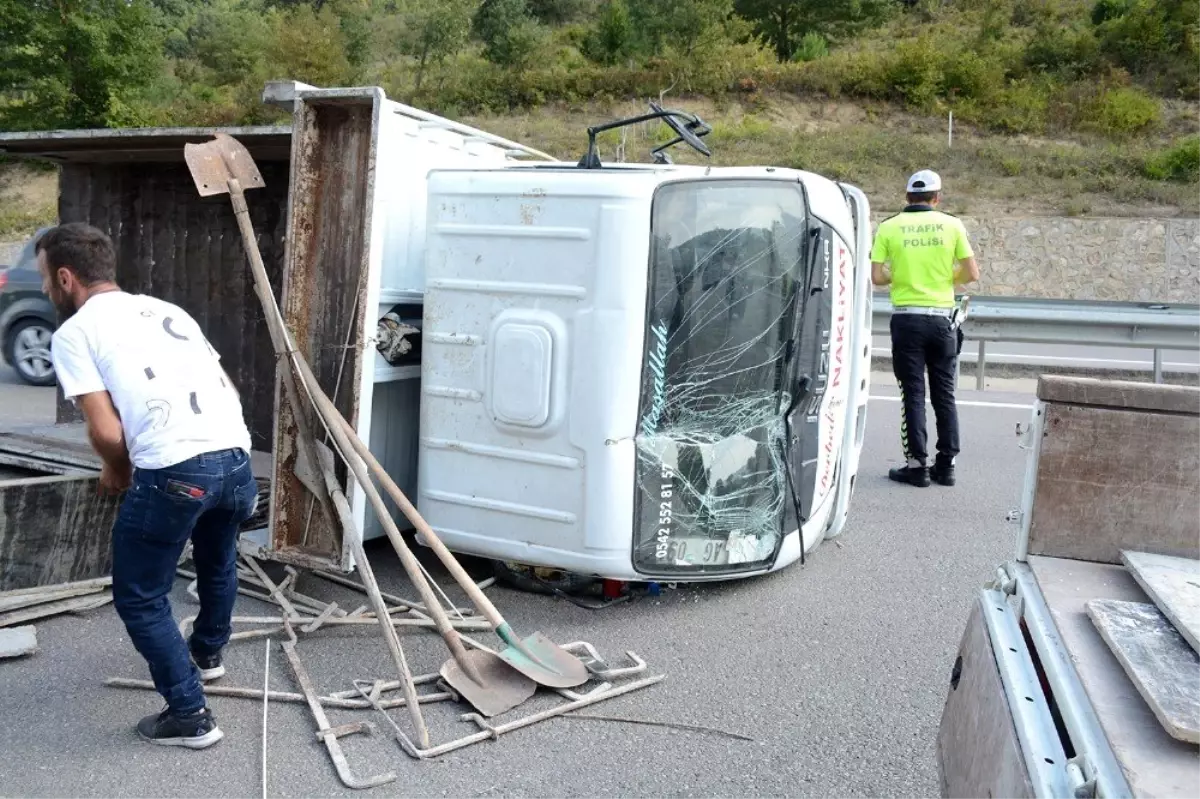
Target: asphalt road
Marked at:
21, 404
837, 669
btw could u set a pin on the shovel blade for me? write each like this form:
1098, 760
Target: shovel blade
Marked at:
545, 662
213, 163
501, 689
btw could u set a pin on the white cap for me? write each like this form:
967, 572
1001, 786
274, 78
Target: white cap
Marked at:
925, 180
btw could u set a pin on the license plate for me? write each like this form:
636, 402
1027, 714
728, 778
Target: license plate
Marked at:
697, 552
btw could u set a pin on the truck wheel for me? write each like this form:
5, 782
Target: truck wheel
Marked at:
27, 348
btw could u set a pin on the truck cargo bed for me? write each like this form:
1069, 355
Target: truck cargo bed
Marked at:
1154, 763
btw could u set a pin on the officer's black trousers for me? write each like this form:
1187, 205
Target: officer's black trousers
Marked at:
920, 344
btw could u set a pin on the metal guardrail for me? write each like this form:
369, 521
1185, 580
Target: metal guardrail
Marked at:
1151, 326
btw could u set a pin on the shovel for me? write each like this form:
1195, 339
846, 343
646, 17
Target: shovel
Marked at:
535, 656
222, 166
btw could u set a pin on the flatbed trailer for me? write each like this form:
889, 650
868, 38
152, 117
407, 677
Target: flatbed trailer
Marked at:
1038, 705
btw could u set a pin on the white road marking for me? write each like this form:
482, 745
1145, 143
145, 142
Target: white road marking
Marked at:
969, 403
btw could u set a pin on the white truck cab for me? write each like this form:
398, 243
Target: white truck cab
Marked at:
637, 372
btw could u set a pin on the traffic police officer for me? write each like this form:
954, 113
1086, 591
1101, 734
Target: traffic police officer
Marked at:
922, 254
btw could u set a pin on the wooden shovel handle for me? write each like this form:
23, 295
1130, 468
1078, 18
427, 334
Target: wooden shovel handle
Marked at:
334, 418
477, 597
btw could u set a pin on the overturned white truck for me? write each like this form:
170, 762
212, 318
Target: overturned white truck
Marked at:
631, 371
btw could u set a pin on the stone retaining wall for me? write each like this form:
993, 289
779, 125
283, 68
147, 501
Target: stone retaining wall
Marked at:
1143, 260
1134, 260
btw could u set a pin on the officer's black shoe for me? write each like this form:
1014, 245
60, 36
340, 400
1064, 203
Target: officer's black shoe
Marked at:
197, 731
912, 475
942, 473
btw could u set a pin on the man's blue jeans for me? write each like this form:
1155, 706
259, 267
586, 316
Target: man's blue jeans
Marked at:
205, 498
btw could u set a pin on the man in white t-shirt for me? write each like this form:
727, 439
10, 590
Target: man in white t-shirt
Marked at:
167, 423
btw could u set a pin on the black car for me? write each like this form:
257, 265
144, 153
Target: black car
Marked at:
27, 319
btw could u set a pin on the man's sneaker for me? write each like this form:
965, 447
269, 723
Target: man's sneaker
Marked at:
911, 475
197, 731
942, 473
210, 666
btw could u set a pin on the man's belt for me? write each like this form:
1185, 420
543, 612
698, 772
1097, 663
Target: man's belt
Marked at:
921, 310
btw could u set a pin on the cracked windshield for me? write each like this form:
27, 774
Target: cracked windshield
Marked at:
726, 259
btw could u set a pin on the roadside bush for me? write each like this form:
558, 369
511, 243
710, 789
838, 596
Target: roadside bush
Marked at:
1179, 162
1120, 112
1068, 51
915, 72
811, 47
611, 38
1021, 107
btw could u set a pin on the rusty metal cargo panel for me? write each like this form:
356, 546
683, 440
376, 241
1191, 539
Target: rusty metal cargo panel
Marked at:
325, 283
356, 231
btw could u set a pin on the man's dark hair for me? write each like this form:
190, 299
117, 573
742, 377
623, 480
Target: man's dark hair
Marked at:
921, 197
83, 249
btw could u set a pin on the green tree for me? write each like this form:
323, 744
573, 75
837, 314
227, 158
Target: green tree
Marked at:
428, 30
510, 35
1151, 35
681, 25
310, 46
783, 23
75, 63
611, 38
560, 12
229, 39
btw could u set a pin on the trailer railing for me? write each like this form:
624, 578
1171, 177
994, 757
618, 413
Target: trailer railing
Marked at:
1152, 326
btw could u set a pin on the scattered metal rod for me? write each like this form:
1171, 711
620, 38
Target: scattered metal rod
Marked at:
638, 666
474, 625
300, 600
669, 724
279, 597
333, 701
349, 728
316, 623
390, 685
248, 635
266, 696
567, 693
434, 584
317, 604
287, 586
329, 738
338, 579
493, 732
350, 534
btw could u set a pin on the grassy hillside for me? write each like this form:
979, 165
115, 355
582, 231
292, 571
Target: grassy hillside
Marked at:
874, 146
28, 198
1061, 106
